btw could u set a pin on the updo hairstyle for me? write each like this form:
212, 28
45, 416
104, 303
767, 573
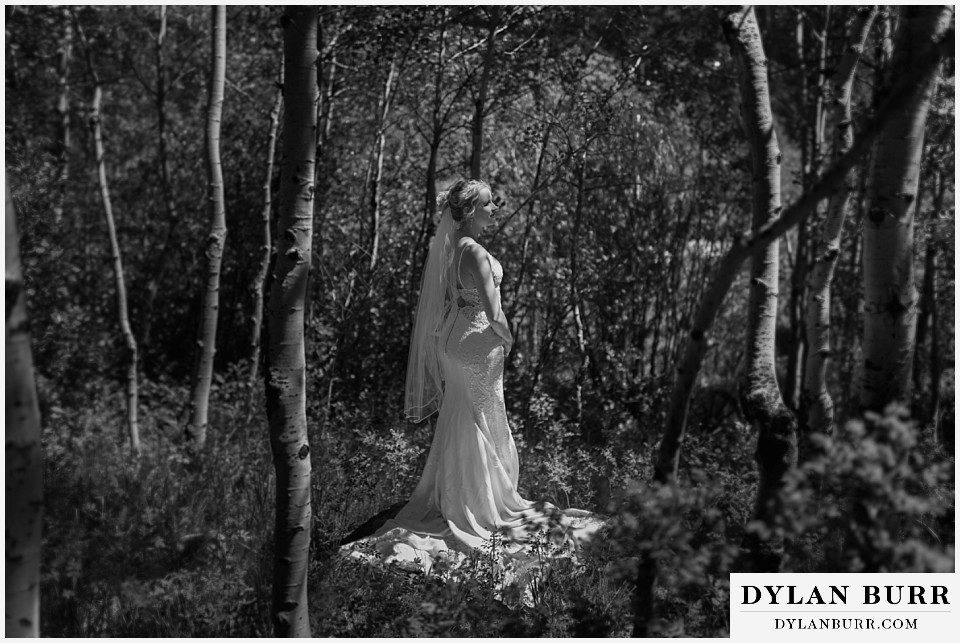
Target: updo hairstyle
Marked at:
461, 198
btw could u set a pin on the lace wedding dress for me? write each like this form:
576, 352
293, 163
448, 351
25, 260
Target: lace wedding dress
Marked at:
469, 484
468, 490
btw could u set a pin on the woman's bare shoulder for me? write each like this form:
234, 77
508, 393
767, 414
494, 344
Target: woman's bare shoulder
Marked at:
474, 254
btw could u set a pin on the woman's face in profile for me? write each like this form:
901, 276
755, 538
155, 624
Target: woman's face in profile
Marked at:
485, 210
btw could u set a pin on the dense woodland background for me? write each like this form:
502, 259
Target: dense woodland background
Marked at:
613, 142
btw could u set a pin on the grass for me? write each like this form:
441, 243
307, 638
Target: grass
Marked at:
171, 545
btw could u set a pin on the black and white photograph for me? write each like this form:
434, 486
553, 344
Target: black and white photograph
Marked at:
480, 321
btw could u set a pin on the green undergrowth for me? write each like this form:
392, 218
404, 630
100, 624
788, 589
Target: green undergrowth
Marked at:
174, 544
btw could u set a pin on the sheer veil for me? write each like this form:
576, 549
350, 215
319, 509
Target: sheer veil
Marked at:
424, 390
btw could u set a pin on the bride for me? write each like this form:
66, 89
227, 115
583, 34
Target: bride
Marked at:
467, 496
468, 489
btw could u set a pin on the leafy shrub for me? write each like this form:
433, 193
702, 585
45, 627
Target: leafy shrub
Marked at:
877, 498
161, 546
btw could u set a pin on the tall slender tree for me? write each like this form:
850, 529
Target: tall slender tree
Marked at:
816, 403
480, 102
130, 342
576, 299
743, 247
691, 359
170, 211
259, 280
438, 122
213, 244
62, 142
285, 373
24, 464
375, 171
890, 296
927, 321
760, 394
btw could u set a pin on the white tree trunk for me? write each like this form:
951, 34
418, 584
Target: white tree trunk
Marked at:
130, 342
256, 288
687, 370
764, 407
24, 463
376, 168
890, 296
816, 400
213, 244
285, 372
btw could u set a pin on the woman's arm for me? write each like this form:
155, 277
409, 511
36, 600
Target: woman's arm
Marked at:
476, 263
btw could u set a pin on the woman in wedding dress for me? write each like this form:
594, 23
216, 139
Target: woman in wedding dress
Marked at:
468, 489
461, 336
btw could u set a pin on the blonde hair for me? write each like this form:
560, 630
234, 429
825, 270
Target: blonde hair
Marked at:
461, 198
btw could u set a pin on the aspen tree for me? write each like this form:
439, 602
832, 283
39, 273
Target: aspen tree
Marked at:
928, 318
213, 244
815, 399
375, 171
576, 299
760, 394
130, 342
890, 296
285, 371
24, 463
62, 148
256, 288
743, 247
328, 35
170, 211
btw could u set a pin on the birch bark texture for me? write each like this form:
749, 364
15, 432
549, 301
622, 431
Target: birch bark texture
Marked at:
196, 431
285, 372
24, 463
816, 402
890, 295
743, 247
759, 392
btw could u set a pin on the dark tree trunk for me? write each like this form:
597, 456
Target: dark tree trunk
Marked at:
436, 137
928, 310
480, 106
575, 299
163, 260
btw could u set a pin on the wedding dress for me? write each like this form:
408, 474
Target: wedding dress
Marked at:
468, 489
469, 484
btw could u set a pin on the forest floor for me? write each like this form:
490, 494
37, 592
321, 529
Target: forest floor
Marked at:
173, 544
